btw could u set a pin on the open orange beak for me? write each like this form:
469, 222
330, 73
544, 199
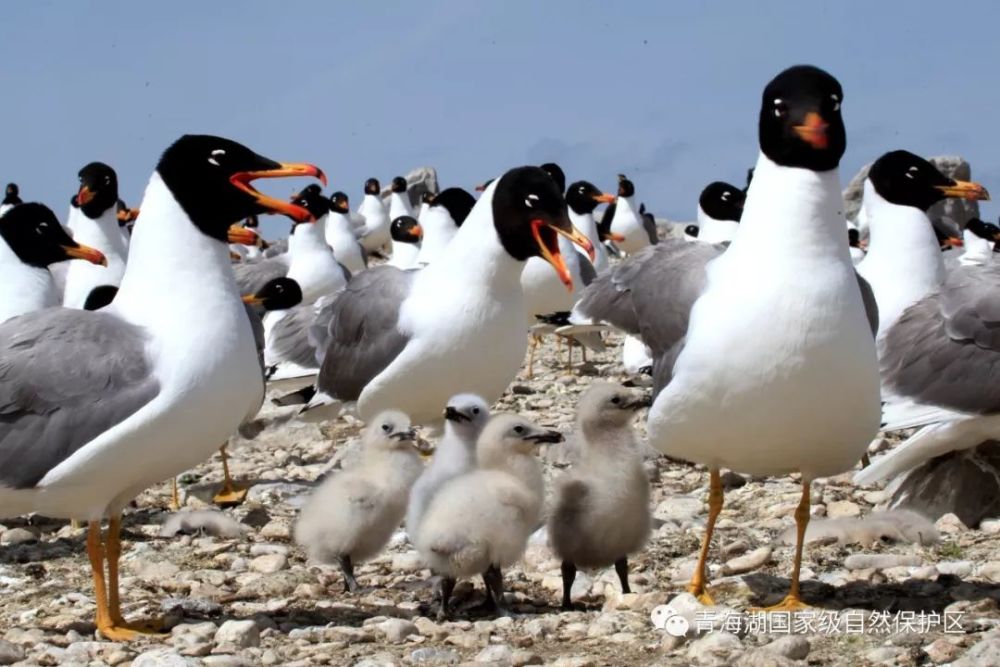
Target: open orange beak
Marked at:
92, 255
813, 130
284, 170
252, 300
243, 236
127, 215
605, 198
84, 196
579, 238
953, 242
544, 232
965, 190
616, 237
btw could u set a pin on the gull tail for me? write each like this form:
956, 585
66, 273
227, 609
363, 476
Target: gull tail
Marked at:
924, 445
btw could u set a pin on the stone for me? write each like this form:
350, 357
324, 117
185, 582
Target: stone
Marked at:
679, 508
842, 508
942, 650
500, 654
747, 562
225, 661
396, 630
990, 571
715, 648
957, 568
10, 653
207, 522
409, 561
885, 655
982, 654
240, 634
880, 561
18, 536
762, 658
162, 658
269, 563
434, 656
574, 661
965, 484
794, 647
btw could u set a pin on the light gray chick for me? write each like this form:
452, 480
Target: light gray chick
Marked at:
480, 522
352, 514
465, 416
601, 512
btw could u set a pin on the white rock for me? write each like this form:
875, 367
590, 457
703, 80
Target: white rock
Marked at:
240, 634
162, 657
880, 561
990, 571
842, 508
715, 648
396, 630
679, 508
795, 647
434, 656
747, 562
269, 563
958, 568
496, 653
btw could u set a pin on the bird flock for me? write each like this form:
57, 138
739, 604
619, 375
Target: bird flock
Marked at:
779, 337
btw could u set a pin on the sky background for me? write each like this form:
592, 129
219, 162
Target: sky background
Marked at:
667, 93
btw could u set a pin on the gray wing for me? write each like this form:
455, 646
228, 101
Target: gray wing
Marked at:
276, 248
66, 376
871, 306
363, 337
254, 274
649, 224
290, 336
945, 349
257, 325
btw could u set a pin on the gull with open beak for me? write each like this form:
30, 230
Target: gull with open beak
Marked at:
395, 338
153, 390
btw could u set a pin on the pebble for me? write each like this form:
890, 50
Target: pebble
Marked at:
748, 562
18, 536
958, 568
240, 634
990, 526
942, 650
162, 658
10, 653
983, 654
950, 524
794, 647
396, 630
762, 658
496, 653
434, 656
880, 561
842, 508
574, 661
269, 563
990, 571
715, 648
885, 655
679, 508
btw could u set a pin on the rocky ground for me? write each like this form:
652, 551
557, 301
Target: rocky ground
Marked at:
237, 591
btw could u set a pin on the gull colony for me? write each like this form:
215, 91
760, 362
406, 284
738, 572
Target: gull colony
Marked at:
777, 337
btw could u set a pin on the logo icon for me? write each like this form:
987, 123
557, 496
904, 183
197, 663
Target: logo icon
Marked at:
666, 618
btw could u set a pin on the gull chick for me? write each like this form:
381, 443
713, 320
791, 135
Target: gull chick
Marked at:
352, 515
480, 521
465, 416
601, 509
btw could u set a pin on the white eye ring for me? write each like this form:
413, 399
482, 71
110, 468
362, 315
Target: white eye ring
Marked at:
725, 196
218, 151
212, 160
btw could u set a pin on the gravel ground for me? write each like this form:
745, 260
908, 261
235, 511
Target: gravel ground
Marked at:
252, 598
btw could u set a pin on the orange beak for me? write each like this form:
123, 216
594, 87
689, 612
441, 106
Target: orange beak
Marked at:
417, 231
604, 198
965, 190
579, 238
813, 130
252, 300
92, 255
242, 181
549, 248
84, 196
243, 236
234, 257
953, 242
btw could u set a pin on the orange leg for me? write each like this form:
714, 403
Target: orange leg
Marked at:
230, 494
793, 601
697, 587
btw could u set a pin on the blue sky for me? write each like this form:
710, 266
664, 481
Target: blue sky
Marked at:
665, 92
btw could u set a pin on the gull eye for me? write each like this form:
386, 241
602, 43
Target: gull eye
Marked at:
216, 154
475, 411
780, 110
725, 196
386, 428
519, 430
836, 102
616, 400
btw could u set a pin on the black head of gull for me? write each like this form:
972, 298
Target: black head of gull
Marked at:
583, 197
853, 238
11, 195
625, 187
399, 184
557, 174
311, 199
36, 237
456, 201
905, 179
528, 212
276, 294
340, 202
722, 201
983, 229
427, 198
373, 187
692, 231
100, 296
210, 178
98, 189
405, 229
800, 121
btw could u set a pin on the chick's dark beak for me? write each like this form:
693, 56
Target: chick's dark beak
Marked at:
547, 437
453, 414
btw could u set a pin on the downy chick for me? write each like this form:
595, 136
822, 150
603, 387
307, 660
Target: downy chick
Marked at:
480, 522
352, 515
465, 416
601, 508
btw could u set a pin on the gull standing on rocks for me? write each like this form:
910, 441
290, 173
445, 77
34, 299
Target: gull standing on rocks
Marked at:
98, 406
778, 371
